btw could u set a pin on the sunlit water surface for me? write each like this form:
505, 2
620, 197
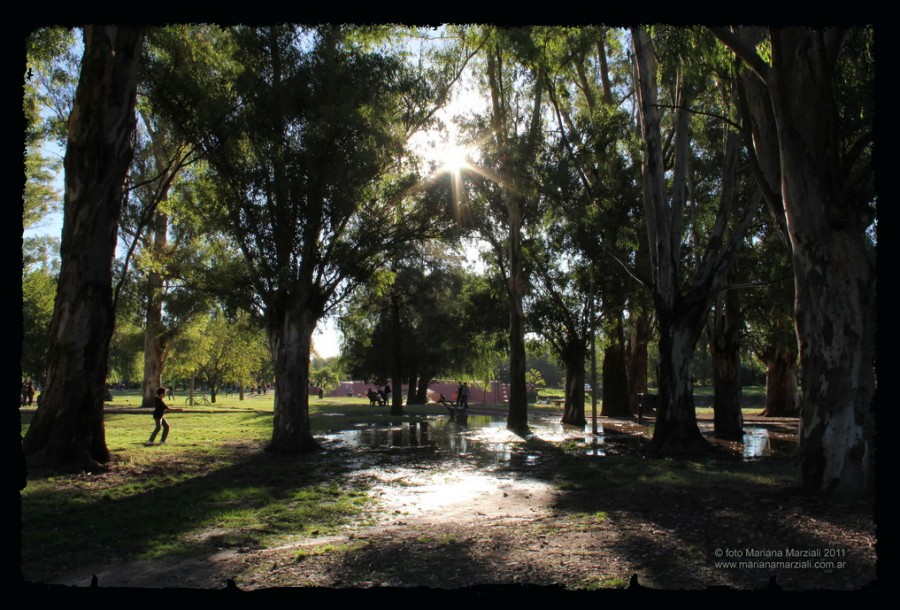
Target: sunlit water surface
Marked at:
487, 436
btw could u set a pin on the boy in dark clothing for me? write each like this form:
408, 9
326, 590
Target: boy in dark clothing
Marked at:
464, 396
159, 415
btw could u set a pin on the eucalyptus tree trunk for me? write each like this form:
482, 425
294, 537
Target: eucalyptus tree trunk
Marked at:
637, 360
782, 397
67, 429
155, 341
835, 295
676, 431
156, 337
514, 184
826, 218
676, 428
615, 382
681, 311
290, 333
422, 389
724, 346
518, 398
396, 354
412, 390
573, 410
615, 375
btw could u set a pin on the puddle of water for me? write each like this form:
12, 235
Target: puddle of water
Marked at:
459, 495
486, 436
483, 436
758, 442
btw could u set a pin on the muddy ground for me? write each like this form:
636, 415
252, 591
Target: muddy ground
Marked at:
463, 520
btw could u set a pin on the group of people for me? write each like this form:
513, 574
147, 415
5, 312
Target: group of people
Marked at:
462, 397
28, 392
381, 396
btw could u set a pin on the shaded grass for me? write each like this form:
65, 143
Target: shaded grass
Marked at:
210, 486
654, 474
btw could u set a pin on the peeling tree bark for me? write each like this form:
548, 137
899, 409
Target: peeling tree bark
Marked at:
676, 431
67, 429
290, 333
833, 277
834, 280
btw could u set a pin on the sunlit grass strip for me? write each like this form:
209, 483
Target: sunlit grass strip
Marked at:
211, 486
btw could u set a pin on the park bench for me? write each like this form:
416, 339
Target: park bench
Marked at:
456, 412
646, 404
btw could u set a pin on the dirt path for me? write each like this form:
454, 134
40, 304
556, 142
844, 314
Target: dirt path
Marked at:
461, 522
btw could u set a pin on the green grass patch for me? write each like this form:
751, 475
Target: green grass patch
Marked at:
603, 582
211, 485
329, 549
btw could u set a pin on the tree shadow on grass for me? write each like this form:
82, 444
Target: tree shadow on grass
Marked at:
252, 497
678, 522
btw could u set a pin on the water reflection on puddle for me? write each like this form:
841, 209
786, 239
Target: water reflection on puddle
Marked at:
486, 436
759, 442
481, 434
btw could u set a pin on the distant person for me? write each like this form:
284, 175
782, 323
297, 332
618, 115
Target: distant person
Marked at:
159, 415
387, 393
374, 397
464, 396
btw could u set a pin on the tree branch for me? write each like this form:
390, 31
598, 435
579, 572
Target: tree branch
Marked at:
744, 51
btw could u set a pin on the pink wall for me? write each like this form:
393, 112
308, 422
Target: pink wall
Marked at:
495, 392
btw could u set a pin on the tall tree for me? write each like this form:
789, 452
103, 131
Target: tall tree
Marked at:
768, 309
222, 350
723, 329
304, 128
67, 429
593, 193
560, 310
682, 305
439, 337
160, 161
511, 139
819, 85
